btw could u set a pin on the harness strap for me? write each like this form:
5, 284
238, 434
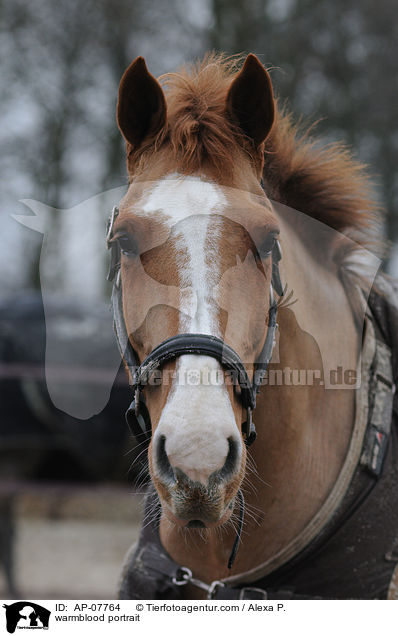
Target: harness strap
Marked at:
126, 350
200, 344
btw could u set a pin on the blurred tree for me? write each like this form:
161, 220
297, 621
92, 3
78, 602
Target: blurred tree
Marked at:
62, 64
335, 60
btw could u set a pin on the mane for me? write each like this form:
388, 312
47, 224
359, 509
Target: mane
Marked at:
324, 181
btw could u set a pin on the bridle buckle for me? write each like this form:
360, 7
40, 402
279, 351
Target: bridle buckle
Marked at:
248, 428
184, 576
110, 224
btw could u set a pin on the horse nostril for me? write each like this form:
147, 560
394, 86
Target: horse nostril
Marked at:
162, 460
232, 459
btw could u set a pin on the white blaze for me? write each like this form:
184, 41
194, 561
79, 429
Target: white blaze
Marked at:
198, 417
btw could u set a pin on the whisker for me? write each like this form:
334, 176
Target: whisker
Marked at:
134, 448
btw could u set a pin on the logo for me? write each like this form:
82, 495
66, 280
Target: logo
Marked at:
26, 615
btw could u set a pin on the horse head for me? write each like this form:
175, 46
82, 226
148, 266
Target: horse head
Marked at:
196, 223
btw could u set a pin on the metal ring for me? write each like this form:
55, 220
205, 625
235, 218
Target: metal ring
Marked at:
137, 402
187, 575
213, 587
117, 281
111, 221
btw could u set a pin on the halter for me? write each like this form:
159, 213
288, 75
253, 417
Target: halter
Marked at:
137, 415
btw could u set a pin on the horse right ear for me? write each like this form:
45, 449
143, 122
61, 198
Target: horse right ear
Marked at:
141, 107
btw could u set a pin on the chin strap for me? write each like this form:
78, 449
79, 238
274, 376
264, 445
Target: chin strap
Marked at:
235, 547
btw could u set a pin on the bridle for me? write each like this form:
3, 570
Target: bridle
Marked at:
137, 415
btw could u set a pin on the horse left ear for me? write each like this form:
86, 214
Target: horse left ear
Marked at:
250, 100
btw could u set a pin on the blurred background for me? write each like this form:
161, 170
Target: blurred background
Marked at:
69, 499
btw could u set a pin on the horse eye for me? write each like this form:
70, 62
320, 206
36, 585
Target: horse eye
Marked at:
127, 245
268, 245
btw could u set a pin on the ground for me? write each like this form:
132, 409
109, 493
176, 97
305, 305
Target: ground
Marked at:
70, 542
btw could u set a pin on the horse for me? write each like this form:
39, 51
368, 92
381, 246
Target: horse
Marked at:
222, 183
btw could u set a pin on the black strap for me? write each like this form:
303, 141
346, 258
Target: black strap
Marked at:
239, 529
266, 353
198, 344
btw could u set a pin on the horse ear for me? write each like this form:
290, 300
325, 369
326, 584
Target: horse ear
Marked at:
141, 107
250, 100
